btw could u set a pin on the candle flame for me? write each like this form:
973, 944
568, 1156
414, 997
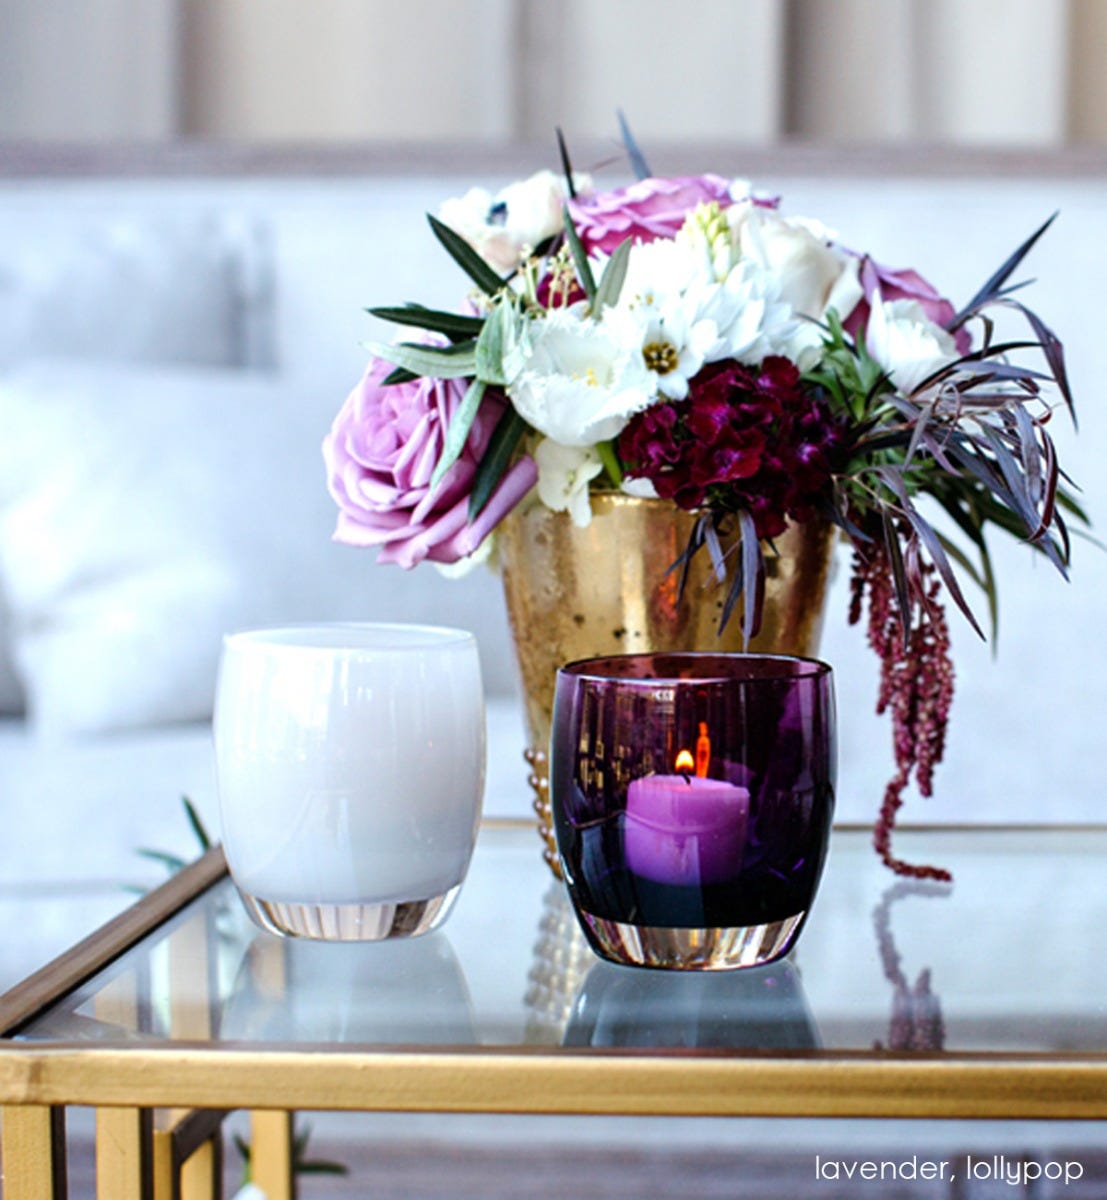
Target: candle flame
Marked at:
703, 751
685, 764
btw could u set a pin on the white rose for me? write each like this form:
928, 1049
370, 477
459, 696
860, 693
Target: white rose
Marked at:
812, 274
906, 343
578, 384
503, 227
564, 473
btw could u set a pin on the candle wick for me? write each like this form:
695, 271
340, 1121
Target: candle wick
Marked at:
686, 777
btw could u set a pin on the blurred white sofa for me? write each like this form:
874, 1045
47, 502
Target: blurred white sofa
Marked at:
175, 338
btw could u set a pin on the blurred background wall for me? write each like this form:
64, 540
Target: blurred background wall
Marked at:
964, 71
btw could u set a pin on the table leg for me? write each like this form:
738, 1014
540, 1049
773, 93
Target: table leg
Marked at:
164, 1168
123, 1154
201, 1175
271, 1133
194, 1170
271, 1154
33, 1143
187, 1155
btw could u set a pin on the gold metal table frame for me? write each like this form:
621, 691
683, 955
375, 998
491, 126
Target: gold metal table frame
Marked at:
160, 1104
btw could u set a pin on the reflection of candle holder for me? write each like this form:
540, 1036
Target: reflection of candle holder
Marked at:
761, 1009
916, 1022
308, 991
685, 860
561, 960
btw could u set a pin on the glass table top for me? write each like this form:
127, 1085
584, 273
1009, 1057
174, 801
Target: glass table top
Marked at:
1012, 958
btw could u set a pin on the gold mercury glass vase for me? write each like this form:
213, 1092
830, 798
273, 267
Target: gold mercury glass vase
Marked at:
579, 593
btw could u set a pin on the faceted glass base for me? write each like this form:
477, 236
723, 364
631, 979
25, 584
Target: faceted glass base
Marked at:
676, 949
351, 922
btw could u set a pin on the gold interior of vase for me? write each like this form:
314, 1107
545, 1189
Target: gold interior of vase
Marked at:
606, 589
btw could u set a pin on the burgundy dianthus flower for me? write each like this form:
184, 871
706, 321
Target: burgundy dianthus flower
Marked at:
750, 438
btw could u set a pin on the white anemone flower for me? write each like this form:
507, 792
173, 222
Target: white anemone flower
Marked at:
577, 383
505, 226
906, 343
564, 473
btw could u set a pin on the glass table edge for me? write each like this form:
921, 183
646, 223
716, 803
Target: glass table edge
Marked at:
581, 1081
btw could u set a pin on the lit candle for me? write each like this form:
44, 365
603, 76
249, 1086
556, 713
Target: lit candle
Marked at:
685, 829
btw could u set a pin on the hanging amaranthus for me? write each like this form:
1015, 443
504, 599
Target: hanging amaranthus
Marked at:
916, 685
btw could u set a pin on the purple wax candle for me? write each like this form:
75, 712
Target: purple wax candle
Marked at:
685, 830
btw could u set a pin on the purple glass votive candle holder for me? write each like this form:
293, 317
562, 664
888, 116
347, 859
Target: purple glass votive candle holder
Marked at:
692, 797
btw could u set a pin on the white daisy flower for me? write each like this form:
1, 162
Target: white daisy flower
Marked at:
661, 313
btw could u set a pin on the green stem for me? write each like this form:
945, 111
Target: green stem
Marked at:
611, 462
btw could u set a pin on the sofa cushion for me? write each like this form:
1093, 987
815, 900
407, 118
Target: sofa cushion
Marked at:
146, 511
99, 282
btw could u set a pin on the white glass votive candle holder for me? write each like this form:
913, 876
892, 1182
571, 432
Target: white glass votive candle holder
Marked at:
350, 764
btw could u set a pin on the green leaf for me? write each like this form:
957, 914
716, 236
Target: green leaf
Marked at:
614, 275
202, 835
458, 433
1068, 502
399, 376
321, 1166
172, 862
580, 256
466, 257
490, 345
438, 362
501, 446
453, 325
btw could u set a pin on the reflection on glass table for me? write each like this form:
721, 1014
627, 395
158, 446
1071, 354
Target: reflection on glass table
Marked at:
1011, 957
762, 1008
306, 991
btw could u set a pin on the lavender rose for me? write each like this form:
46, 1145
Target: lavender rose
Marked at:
904, 285
380, 456
645, 211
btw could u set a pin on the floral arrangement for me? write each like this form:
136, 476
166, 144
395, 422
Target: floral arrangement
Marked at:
684, 338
